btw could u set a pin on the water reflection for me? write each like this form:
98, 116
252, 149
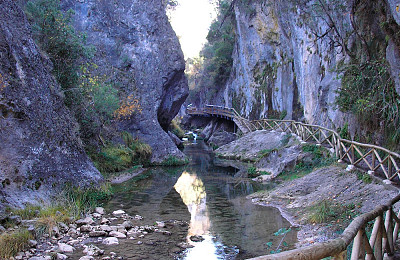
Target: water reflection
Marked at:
211, 200
193, 193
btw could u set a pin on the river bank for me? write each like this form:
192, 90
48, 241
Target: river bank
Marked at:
314, 192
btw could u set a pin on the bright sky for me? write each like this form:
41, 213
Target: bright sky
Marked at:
191, 20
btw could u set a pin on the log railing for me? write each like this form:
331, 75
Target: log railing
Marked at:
373, 158
366, 244
380, 243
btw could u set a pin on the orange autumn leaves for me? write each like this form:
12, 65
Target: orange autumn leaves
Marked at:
128, 107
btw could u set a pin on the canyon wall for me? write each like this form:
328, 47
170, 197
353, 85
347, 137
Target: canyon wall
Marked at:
40, 150
286, 56
141, 55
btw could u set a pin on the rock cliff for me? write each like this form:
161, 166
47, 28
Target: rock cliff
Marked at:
286, 53
39, 146
140, 53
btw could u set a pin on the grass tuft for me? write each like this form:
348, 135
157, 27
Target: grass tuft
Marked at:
174, 161
12, 243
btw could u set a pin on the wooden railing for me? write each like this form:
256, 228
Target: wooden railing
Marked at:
380, 244
212, 110
376, 159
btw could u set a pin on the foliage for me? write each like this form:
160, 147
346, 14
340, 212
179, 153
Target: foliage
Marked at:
209, 73
79, 201
344, 132
29, 212
54, 33
281, 232
369, 92
128, 108
367, 179
118, 157
103, 98
325, 211
12, 243
91, 99
252, 172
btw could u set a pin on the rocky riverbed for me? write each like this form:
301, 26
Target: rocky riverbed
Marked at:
95, 236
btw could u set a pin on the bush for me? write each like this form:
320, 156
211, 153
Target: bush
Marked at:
12, 243
119, 157
252, 172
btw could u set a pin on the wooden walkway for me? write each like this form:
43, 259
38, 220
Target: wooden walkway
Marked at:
374, 159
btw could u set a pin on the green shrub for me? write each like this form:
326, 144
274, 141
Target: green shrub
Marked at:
364, 177
252, 172
12, 243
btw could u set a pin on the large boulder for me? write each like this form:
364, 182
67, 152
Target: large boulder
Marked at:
139, 51
39, 146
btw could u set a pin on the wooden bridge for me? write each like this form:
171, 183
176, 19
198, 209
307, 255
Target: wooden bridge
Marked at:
379, 161
221, 112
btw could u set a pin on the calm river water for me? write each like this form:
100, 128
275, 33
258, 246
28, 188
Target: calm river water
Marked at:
211, 201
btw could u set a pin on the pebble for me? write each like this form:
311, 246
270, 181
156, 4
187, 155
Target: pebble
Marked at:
65, 248
100, 210
118, 212
61, 256
105, 228
111, 241
85, 221
117, 234
86, 257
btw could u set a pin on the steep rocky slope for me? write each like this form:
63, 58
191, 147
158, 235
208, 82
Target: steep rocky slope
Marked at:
286, 54
39, 147
138, 50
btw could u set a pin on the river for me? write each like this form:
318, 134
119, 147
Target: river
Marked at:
211, 201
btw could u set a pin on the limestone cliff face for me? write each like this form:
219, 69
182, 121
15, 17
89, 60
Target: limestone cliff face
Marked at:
39, 147
139, 51
284, 61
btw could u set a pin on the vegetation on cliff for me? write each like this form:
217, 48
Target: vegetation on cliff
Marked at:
210, 72
89, 94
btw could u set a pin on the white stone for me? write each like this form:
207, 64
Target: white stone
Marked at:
118, 212
86, 257
96, 215
85, 221
387, 181
65, 248
371, 172
106, 228
350, 168
110, 241
99, 210
117, 234
61, 256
